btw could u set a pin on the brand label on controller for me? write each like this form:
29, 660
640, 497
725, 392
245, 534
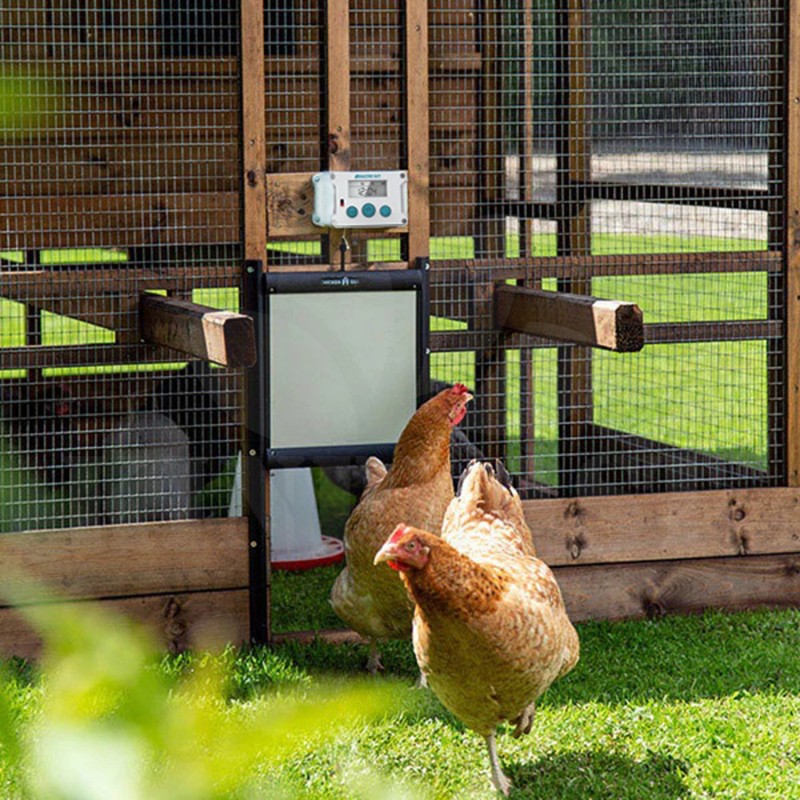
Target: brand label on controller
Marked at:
360, 199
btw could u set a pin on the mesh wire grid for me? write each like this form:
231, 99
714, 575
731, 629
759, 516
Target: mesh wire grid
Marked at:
646, 135
119, 146
616, 132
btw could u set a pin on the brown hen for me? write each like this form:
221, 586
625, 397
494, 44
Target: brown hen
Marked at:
417, 489
490, 629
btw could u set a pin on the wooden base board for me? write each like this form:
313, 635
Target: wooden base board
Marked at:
614, 557
181, 621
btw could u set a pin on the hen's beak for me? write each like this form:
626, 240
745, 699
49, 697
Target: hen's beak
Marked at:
386, 553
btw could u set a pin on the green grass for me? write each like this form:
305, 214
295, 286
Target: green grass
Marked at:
683, 707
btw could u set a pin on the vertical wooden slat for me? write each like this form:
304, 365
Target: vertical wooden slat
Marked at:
527, 421
792, 244
417, 133
490, 363
338, 104
573, 171
256, 496
778, 65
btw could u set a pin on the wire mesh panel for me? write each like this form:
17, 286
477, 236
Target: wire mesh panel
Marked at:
119, 154
630, 151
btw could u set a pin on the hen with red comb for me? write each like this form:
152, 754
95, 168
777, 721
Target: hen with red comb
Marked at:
415, 490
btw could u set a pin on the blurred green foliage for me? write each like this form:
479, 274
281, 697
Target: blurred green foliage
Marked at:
113, 719
29, 101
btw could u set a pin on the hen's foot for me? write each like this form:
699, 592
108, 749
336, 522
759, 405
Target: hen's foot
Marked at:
500, 781
374, 665
524, 721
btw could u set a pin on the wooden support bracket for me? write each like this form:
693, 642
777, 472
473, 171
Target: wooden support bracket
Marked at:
580, 319
223, 337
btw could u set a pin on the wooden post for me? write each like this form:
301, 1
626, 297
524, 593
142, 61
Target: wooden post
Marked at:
784, 234
490, 363
337, 57
527, 409
417, 130
573, 172
256, 501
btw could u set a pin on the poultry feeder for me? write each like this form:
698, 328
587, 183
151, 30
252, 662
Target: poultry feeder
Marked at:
296, 539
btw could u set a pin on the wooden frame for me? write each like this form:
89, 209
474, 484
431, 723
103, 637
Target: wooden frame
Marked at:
615, 556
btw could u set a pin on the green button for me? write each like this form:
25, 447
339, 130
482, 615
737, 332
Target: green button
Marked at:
352, 212
368, 210
386, 211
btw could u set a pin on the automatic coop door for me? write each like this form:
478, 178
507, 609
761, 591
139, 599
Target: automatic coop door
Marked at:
348, 363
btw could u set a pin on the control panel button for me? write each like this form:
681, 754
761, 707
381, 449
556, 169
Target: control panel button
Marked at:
385, 211
352, 212
368, 210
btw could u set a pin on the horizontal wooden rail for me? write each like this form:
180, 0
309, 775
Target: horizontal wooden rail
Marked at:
131, 560
446, 271
579, 319
224, 337
639, 590
668, 526
202, 620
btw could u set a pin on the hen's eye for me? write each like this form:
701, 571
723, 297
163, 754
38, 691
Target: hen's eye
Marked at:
410, 545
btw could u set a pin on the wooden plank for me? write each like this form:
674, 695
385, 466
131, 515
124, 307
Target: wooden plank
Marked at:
127, 560
337, 110
34, 223
255, 478
672, 525
635, 591
573, 233
608, 324
122, 166
290, 204
88, 279
585, 265
224, 337
88, 355
417, 129
792, 246
656, 333
180, 621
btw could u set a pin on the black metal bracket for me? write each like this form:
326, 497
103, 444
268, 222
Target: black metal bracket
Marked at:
255, 468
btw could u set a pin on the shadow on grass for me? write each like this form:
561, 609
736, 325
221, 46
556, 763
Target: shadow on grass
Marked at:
598, 775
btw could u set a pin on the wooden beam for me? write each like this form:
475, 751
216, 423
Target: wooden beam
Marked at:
650, 590
255, 478
608, 324
586, 265
791, 218
130, 560
417, 129
337, 109
120, 220
223, 337
666, 526
179, 621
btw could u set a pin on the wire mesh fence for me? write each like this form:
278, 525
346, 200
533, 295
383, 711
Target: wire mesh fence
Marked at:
119, 146
631, 150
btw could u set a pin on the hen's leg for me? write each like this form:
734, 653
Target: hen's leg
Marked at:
524, 721
500, 781
374, 661
422, 681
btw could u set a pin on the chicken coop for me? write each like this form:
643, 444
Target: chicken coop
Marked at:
605, 197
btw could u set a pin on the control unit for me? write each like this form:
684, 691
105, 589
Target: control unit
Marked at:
376, 199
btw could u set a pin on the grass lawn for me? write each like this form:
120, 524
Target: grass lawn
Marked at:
684, 707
